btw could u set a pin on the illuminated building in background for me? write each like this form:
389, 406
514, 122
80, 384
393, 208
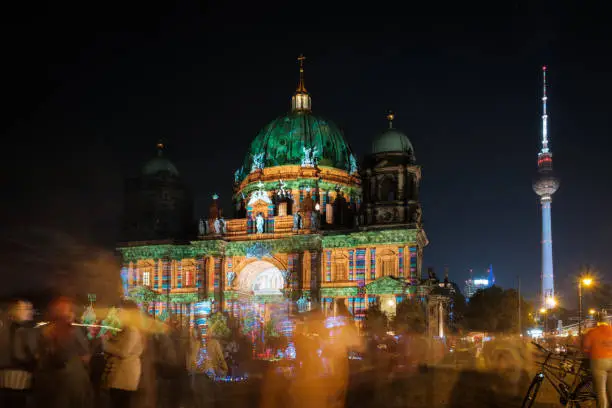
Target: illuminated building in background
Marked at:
545, 185
475, 283
309, 225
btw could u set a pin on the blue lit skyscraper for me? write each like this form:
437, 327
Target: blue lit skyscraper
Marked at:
545, 185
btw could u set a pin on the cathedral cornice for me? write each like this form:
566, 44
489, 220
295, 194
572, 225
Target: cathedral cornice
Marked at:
295, 243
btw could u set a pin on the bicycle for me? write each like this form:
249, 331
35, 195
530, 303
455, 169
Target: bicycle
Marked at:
577, 393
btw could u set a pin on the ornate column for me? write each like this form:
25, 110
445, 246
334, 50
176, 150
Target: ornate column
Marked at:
400, 182
419, 262
296, 272
219, 274
305, 269
371, 192
415, 185
315, 276
157, 277
125, 278
167, 282
201, 277
210, 276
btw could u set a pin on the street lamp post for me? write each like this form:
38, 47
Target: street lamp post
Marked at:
584, 281
543, 314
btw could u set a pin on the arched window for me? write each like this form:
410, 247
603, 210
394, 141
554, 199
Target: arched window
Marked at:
388, 189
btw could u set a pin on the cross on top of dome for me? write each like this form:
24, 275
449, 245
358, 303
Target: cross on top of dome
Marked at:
301, 87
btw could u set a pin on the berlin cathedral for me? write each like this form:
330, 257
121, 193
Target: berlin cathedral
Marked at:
311, 223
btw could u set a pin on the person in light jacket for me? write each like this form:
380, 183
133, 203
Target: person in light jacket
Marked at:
123, 367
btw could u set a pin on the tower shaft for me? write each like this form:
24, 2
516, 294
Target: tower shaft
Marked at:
548, 284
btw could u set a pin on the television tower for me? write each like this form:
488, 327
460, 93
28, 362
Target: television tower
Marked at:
545, 185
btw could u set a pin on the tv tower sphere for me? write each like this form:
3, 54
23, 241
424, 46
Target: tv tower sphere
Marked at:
545, 184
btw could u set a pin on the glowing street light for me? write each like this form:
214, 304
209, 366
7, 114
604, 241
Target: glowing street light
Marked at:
585, 281
592, 312
551, 302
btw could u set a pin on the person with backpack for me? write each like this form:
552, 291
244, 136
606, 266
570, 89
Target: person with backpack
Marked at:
18, 344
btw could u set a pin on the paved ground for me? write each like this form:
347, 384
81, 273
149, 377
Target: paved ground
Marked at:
431, 388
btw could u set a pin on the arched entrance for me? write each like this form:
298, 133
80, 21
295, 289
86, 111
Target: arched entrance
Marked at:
261, 278
260, 306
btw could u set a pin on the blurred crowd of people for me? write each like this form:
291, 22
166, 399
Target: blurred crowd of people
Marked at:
142, 363
149, 363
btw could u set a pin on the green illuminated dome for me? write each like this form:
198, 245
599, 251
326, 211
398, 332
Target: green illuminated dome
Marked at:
298, 138
159, 164
284, 140
392, 140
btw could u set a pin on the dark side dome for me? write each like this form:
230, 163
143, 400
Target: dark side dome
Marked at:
392, 140
159, 164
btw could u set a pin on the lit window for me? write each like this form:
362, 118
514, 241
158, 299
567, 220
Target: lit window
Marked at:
188, 277
146, 278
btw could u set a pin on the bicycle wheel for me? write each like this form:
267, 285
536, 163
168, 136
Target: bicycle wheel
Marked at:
584, 396
532, 392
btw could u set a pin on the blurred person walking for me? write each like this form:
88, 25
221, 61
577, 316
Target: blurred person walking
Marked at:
123, 366
215, 364
598, 346
147, 388
18, 349
171, 366
62, 380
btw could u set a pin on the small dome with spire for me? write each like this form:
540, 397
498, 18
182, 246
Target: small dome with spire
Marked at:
159, 164
392, 140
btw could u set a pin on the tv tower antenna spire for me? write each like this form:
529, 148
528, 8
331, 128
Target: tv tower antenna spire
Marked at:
544, 115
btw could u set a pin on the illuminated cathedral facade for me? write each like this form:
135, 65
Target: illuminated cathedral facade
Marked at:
311, 224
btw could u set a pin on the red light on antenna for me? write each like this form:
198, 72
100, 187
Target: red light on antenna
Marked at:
544, 68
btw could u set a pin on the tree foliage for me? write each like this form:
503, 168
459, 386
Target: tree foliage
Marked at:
600, 296
457, 311
410, 317
376, 321
496, 310
144, 294
217, 326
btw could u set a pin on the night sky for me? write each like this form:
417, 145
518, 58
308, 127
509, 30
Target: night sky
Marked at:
89, 89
